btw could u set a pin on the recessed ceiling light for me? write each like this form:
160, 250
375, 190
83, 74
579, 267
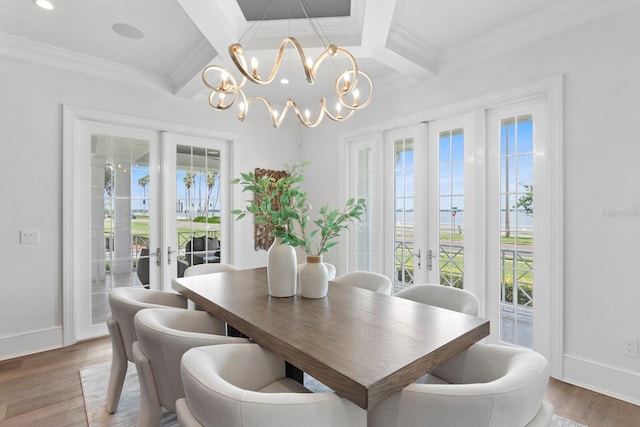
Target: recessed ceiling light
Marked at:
284, 81
45, 4
128, 31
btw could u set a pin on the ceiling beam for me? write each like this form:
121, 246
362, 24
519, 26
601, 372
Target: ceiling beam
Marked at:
186, 78
220, 25
394, 50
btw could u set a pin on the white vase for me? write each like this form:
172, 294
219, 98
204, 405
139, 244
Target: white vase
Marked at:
330, 268
314, 278
281, 269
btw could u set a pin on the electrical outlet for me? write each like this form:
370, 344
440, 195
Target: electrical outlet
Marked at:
630, 347
29, 237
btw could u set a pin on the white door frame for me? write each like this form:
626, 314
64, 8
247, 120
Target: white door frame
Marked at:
73, 116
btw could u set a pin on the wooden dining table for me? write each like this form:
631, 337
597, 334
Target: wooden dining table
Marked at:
362, 344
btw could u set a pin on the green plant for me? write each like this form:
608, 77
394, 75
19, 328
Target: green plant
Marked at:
525, 293
283, 204
209, 220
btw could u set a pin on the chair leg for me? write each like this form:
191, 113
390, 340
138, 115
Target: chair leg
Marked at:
119, 365
150, 407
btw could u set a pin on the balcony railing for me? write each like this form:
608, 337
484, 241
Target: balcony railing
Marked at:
516, 268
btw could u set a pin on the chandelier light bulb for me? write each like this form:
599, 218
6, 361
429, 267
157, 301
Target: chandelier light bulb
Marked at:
347, 83
241, 111
254, 67
309, 62
356, 94
225, 80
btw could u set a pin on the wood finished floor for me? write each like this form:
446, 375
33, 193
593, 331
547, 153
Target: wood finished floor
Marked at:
44, 390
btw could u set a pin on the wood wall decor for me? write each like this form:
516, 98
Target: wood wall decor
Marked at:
263, 233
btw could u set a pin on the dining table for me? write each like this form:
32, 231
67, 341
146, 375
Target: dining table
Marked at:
364, 345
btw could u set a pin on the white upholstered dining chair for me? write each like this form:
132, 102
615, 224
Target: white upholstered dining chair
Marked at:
124, 303
442, 296
366, 280
484, 386
164, 335
238, 385
198, 269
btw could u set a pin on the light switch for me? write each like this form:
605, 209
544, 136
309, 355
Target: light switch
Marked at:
29, 237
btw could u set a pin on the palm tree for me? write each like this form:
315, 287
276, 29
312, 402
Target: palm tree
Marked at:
143, 182
211, 179
188, 182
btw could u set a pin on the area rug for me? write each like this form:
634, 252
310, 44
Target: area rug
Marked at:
94, 388
95, 380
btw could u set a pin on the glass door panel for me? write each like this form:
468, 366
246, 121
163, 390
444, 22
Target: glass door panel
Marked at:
516, 230
115, 224
120, 213
409, 217
450, 212
194, 223
518, 276
451, 207
198, 205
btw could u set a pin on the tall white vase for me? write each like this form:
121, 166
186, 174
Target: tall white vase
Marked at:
314, 278
281, 269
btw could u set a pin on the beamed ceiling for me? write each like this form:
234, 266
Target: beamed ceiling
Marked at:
398, 42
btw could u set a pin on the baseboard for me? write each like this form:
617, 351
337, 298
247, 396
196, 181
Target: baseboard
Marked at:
30, 342
608, 380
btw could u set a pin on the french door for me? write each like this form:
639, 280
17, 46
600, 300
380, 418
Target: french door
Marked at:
406, 225
459, 211
194, 172
137, 197
518, 239
450, 199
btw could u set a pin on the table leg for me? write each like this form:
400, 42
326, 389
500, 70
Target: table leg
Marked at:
294, 373
233, 332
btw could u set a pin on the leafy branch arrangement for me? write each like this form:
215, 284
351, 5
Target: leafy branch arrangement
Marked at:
284, 204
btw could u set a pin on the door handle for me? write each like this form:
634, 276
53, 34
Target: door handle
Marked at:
169, 252
418, 256
158, 255
430, 260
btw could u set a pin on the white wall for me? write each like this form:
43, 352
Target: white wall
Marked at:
600, 64
31, 100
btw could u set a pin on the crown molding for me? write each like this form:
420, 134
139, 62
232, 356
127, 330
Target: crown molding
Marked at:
414, 49
22, 50
554, 20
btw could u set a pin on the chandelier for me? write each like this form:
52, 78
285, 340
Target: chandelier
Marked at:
226, 91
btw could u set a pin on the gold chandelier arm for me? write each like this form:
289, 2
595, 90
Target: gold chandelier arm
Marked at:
304, 120
339, 118
220, 105
228, 84
274, 118
341, 91
237, 56
357, 105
